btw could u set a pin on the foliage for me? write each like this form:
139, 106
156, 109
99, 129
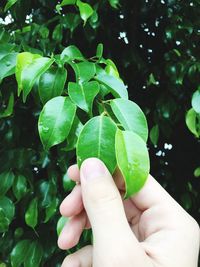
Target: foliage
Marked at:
51, 55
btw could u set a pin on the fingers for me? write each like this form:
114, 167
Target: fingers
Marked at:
72, 231
74, 173
72, 205
81, 258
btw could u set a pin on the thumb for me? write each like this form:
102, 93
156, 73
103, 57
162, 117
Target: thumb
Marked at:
102, 202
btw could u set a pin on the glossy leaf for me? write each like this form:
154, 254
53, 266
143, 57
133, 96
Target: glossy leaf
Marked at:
19, 253
8, 207
191, 118
34, 255
51, 83
97, 139
114, 3
9, 4
55, 121
132, 160
115, 85
196, 101
71, 53
31, 215
9, 109
99, 51
130, 116
83, 94
6, 181
47, 191
19, 187
111, 68
51, 209
7, 65
68, 2
154, 134
4, 221
84, 71
85, 9
60, 224
74, 133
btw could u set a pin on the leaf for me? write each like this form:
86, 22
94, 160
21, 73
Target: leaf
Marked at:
196, 101
132, 160
8, 207
71, 21
191, 117
154, 134
4, 222
60, 224
6, 181
68, 184
51, 209
114, 3
71, 53
9, 109
55, 121
68, 2
197, 172
74, 133
97, 139
58, 33
29, 69
9, 4
19, 187
84, 71
7, 65
99, 52
31, 215
19, 253
85, 9
47, 192
116, 86
83, 94
51, 83
34, 255
130, 116
111, 68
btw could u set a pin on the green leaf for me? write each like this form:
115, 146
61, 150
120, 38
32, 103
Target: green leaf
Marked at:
99, 52
114, 3
7, 65
19, 253
34, 255
116, 86
55, 121
29, 68
6, 181
71, 21
154, 134
196, 101
84, 71
51, 83
74, 133
132, 160
51, 209
60, 224
8, 207
68, 2
197, 172
85, 9
47, 192
130, 116
71, 53
4, 221
19, 187
31, 215
58, 33
191, 118
68, 184
97, 139
83, 94
9, 109
9, 4
111, 68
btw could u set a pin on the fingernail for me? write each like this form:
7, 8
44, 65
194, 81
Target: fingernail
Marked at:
92, 168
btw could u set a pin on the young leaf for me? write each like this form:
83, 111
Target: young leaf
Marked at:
7, 65
196, 101
191, 118
19, 187
31, 215
6, 181
154, 134
18, 253
97, 139
51, 83
55, 121
84, 71
116, 86
83, 94
85, 9
130, 116
132, 160
68, 2
71, 53
34, 255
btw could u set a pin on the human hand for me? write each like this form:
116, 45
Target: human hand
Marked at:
148, 230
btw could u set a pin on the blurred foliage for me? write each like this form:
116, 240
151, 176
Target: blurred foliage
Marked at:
155, 45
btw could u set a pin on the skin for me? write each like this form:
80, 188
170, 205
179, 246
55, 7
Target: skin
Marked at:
148, 230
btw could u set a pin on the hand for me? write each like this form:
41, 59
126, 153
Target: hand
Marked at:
148, 230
